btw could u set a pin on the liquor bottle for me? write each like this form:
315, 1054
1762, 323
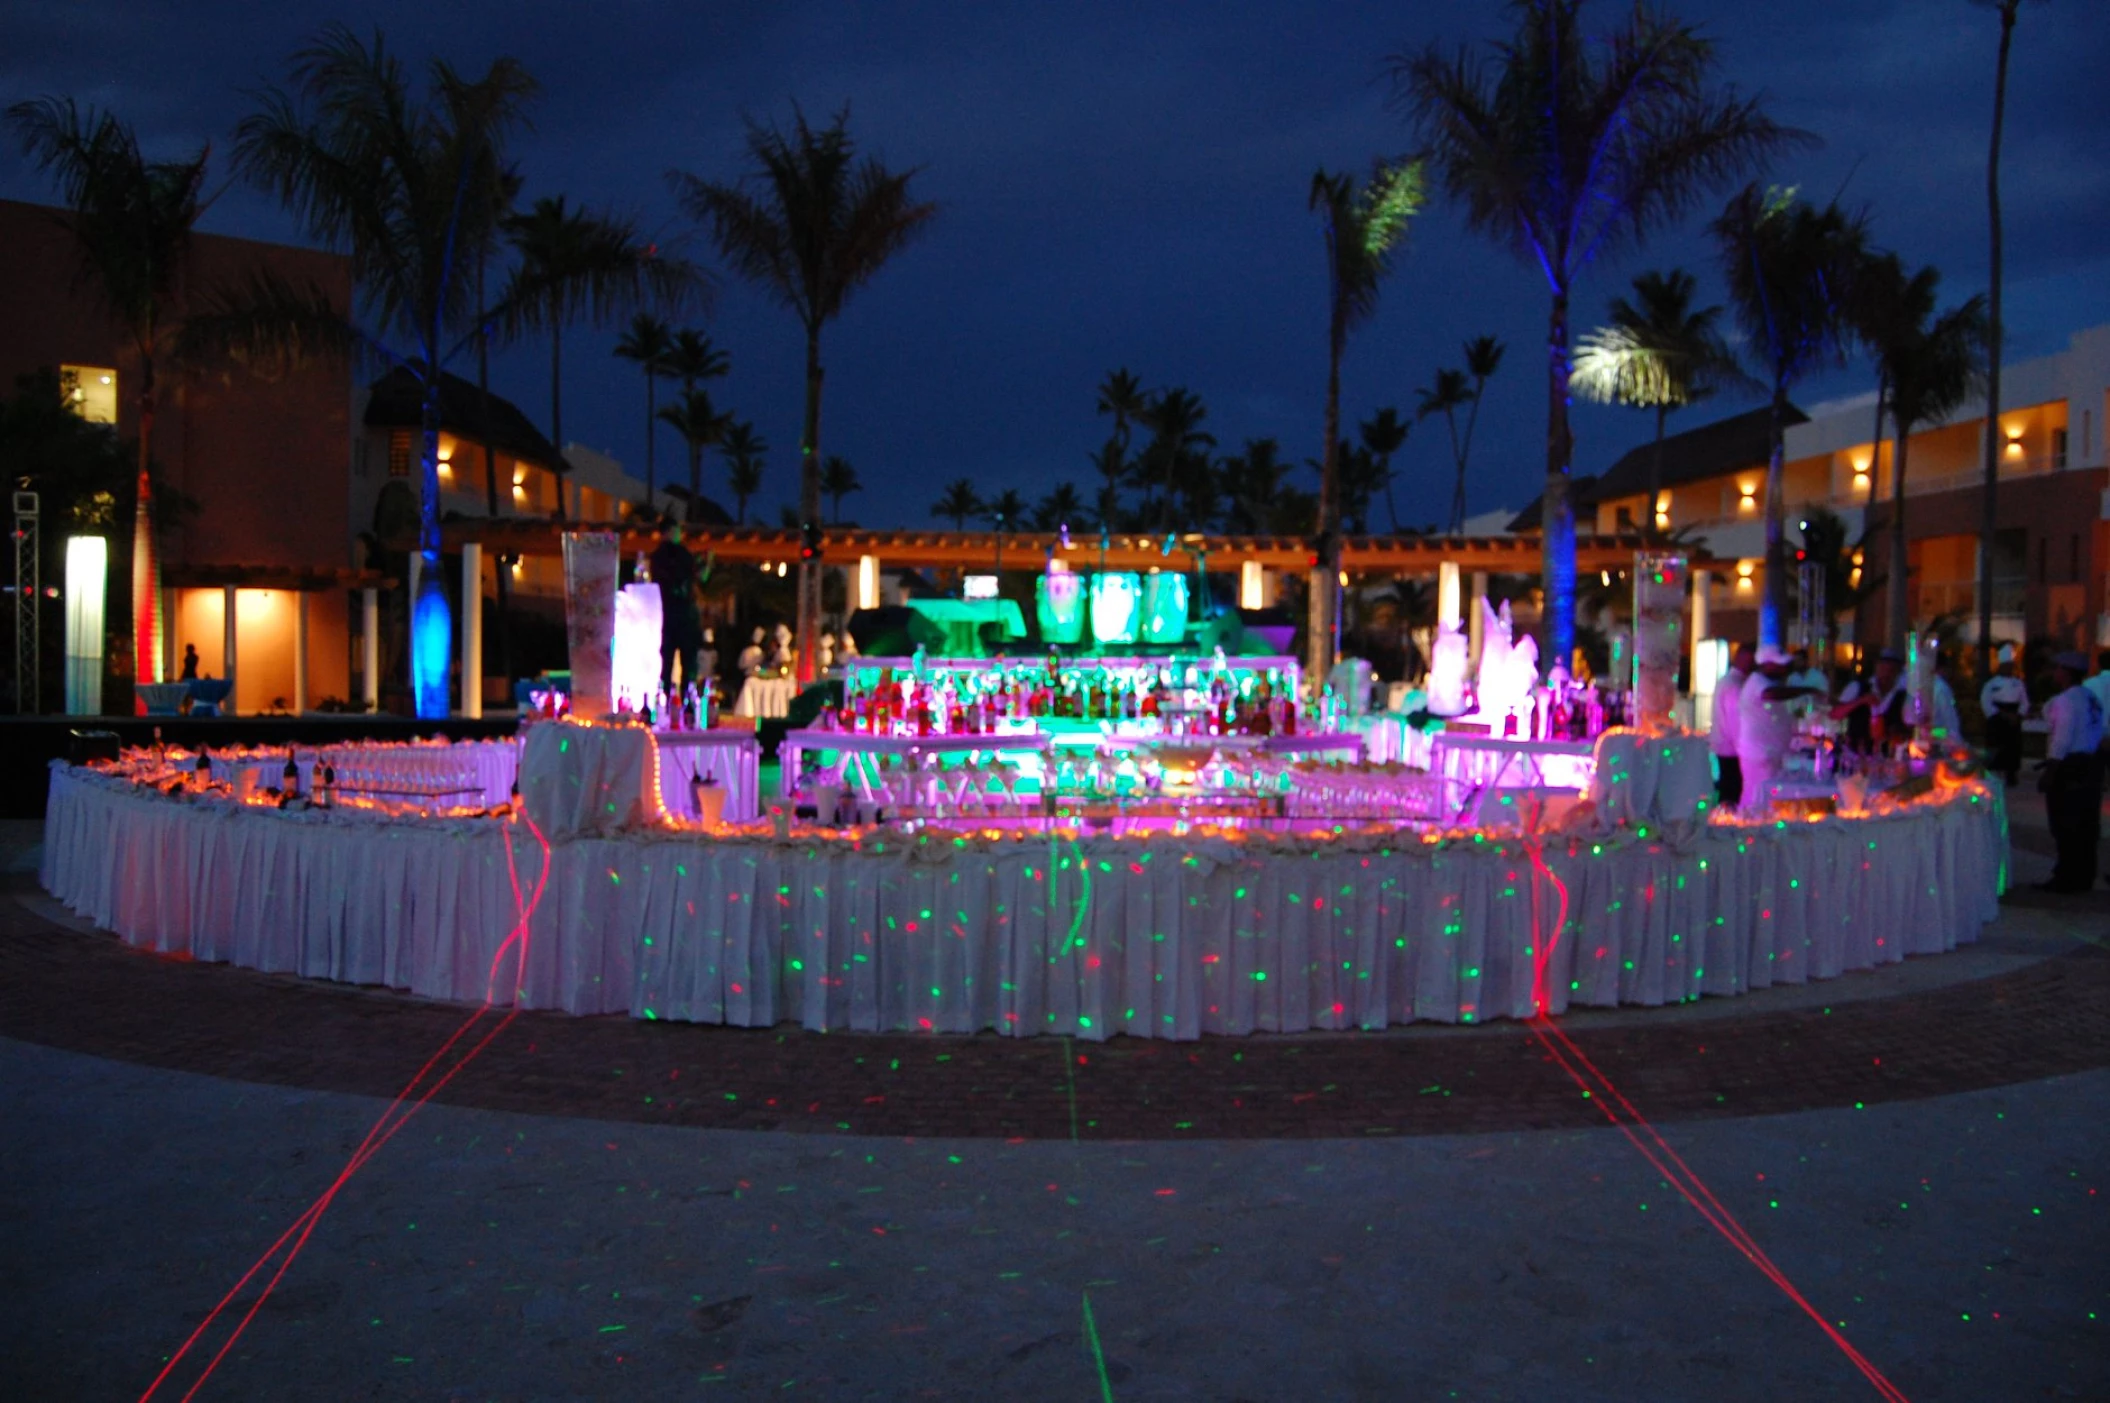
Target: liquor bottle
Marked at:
289, 780
326, 791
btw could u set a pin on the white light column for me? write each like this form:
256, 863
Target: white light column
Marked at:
1449, 606
1475, 621
1702, 581
472, 669
868, 582
370, 648
228, 631
87, 580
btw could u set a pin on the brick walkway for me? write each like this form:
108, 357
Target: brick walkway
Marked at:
90, 993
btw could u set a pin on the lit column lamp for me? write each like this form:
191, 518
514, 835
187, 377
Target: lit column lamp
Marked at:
87, 579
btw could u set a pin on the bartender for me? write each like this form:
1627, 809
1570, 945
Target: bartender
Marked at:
2005, 702
1765, 723
680, 627
2073, 776
1874, 710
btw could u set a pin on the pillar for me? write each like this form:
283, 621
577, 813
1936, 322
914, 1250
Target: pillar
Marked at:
868, 582
472, 668
1475, 628
370, 648
1448, 604
300, 651
1702, 581
227, 644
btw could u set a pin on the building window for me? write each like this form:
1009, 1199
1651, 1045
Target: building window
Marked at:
90, 391
2058, 450
1626, 518
399, 453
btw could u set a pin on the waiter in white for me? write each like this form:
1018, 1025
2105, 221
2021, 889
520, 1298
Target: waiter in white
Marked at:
1721, 730
2073, 776
1765, 723
2005, 701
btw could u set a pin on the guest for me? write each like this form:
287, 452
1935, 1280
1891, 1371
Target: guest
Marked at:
750, 661
680, 628
1948, 725
2072, 776
1722, 730
707, 660
1765, 722
1803, 673
2100, 683
1874, 710
2005, 702
190, 663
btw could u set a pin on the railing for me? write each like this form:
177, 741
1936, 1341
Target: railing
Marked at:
1916, 485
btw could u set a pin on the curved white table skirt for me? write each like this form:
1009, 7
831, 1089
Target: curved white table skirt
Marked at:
1086, 938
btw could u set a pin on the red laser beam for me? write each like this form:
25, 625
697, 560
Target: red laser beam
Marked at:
1662, 1158
392, 1118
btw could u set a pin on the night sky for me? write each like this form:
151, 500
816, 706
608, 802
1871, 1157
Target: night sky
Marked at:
1124, 185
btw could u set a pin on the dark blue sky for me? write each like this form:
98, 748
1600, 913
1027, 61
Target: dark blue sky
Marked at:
1124, 185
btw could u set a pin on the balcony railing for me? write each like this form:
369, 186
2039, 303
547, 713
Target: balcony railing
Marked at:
1917, 484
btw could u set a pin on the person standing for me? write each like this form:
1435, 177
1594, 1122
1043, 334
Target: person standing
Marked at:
680, 625
2100, 683
1721, 730
2005, 701
1874, 710
2072, 776
1948, 725
1765, 723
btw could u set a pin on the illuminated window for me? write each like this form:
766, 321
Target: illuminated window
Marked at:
90, 391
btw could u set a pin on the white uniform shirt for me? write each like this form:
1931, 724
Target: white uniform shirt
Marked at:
1945, 717
2100, 685
1763, 728
1721, 731
2076, 723
2003, 691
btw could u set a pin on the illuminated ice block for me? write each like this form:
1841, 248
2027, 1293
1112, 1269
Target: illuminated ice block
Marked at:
1164, 608
591, 563
1058, 601
636, 645
1116, 606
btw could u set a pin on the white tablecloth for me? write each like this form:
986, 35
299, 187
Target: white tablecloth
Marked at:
587, 779
462, 772
765, 697
1087, 937
732, 758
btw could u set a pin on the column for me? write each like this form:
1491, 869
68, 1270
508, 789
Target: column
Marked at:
1474, 625
472, 668
868, 582
1702, 581
300, 651
1448, 603
370, 648
227, 642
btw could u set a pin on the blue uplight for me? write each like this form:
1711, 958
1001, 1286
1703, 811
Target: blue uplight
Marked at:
431, 643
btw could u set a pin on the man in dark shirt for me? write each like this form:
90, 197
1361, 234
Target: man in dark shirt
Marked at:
680, 627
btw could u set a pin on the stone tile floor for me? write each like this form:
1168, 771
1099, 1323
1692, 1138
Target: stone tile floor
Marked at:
1421, 1214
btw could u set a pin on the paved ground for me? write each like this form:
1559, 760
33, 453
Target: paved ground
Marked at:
1426, 1214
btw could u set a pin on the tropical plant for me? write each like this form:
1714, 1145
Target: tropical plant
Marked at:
811, 223
1932, 363
839, 480
958, 502
1122, 395
1061, 507
645, 345
578, 266
1790, 269
1656, 352
409, 184
1112, 465
1363, 226
1004, 512
1384, 434
1177, 452
130, 220
1567, 149
1988, 525
692, 359
745, 451
1360, 478
700, 425
1254, 483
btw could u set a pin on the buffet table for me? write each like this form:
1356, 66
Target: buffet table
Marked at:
765, 698
442, 774
960, 931
730, 758
862, 750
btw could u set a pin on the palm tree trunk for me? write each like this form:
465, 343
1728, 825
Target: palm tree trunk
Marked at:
1322, 602
1773, 602
1875, 444
1990, 511
809, 610
1900, 620
1391, 509
146, 561
431, 622
1556, 517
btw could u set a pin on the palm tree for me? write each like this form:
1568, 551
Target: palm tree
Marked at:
692, 359
1932, 364
1384, 434
744, 452
1360, 478
1996, 333
839, 480
131, 221
405, 185
645, 346
1790, 268
1826, 544
1362, 228
1448, 393
958, 502
1252, 479
1112, 465
1658, 353
1483, 357
1059, 508
700, 425
1567, 150
1005, 512
1122, 395
579, 266
1174, 418
811, 224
